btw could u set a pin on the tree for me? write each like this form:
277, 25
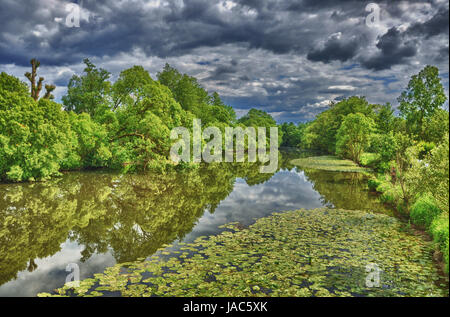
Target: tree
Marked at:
33, 136
435, 128
423, 96
12, 84
89, 93
258, 118
353, 136
194, 98
434, 174
384, 118
37, 87
321, 133
128, 88
292, 134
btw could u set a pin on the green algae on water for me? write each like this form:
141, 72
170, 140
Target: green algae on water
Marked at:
321, 252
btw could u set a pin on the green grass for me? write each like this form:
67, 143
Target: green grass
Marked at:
322, 252
329, 163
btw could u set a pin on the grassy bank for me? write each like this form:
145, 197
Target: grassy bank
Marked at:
323, 252
423, 213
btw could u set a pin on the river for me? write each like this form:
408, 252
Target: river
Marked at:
99, 218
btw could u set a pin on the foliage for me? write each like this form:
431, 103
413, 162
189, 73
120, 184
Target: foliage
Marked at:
424, 211
370, 159
321, 134
193, 98
271, 258
373, 184
293, 135
258, 118
12, 84
435, 127
422, 97
353, 136
142, 134
90, 144
90, 92
33, 136
434, 176
384, 118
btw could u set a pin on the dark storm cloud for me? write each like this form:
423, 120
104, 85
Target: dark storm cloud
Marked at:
438, 24
394, 49
397, 46
335, 49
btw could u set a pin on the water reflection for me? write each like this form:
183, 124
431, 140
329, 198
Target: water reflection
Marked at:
97, 219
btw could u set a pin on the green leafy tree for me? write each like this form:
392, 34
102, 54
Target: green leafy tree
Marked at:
194, 98
33, 136
434, 174
384, 118
90, 92
423, 96
292, 134
353, 136
321, 134
435, 128
12, 84
385, 146
128, 89
258, 118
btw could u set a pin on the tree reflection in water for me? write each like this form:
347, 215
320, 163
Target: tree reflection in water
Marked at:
134, 215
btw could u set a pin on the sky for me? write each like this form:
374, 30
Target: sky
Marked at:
289, 58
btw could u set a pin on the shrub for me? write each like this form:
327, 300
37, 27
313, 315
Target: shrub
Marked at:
439, 229
390, 193
424, 211
373, 184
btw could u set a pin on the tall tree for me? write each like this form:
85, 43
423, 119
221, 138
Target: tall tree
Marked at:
421, 98
354, 135
88, 93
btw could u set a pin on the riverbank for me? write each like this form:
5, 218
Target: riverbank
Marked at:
319, 252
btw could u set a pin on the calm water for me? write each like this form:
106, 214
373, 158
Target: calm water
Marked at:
98, 219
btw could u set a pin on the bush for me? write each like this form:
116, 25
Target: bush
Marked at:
373, 184
424, 211
439, 229
390, 194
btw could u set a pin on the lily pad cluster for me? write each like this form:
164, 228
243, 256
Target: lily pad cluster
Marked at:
321, 252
